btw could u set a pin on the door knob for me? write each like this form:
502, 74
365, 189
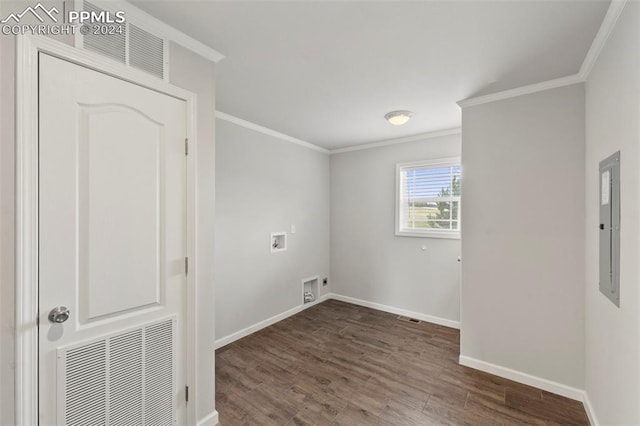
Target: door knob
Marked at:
59, 315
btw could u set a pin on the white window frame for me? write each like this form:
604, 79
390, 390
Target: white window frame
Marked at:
426, 233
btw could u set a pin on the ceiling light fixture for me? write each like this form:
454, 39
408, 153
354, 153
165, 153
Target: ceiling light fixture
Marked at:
398, 118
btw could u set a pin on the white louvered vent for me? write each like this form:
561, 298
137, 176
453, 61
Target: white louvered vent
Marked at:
85, 385
158, 389
112, 45
123, 379
135, 47
146, 51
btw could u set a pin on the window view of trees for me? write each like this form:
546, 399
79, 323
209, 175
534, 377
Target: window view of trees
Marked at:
432, 197
448, 209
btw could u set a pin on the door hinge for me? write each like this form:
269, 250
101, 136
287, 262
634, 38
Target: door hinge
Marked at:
186, 266
186, 393
186, 146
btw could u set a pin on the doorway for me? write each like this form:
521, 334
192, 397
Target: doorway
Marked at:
105, 194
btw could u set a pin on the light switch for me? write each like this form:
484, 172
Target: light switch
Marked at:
293, 229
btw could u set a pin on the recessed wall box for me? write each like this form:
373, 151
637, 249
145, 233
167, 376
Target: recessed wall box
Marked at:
278, 241
310, 289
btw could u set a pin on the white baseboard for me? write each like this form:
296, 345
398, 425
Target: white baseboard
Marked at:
223, 341
397, 311
520, 377
591, 413
210, 419
507, 373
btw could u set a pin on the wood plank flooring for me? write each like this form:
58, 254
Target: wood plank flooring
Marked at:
342, 364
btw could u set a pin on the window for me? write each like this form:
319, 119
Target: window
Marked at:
428, 199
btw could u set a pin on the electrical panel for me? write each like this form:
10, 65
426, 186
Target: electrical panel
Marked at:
609, 228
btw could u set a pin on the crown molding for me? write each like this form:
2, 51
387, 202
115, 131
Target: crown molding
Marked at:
524, 90
608, 24
160, 28
599, 41
606, 28
266, 131
273, 133
413, 138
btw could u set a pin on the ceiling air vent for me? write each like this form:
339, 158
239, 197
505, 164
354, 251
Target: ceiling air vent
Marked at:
135, 46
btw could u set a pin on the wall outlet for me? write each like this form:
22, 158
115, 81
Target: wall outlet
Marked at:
325, 281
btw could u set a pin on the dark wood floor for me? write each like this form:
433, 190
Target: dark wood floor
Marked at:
341, 364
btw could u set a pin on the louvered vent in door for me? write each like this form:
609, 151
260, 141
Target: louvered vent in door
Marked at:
86, 393
158, 392
112, 45
146, 51
123, 379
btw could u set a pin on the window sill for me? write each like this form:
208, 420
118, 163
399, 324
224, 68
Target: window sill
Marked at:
429, 234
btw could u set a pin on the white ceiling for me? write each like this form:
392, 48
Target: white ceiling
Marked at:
327, 71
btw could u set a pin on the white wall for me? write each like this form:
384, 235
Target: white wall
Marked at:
265, 185
368, 261
196, 74
613, 123
523, 234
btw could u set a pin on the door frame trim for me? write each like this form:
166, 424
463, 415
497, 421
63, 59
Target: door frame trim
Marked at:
28, 48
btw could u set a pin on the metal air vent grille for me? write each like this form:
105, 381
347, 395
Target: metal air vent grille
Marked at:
146, 51
85, 389
159, 374
133, 46
123, 379
112, 45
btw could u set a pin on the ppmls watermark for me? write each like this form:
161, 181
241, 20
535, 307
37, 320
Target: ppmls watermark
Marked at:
40, 20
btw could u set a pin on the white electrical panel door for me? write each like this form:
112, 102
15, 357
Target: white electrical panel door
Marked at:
609, 228
112, 247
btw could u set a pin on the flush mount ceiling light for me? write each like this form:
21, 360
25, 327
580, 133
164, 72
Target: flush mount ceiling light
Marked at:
398, 118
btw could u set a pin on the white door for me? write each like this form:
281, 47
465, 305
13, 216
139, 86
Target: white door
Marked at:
112, 247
